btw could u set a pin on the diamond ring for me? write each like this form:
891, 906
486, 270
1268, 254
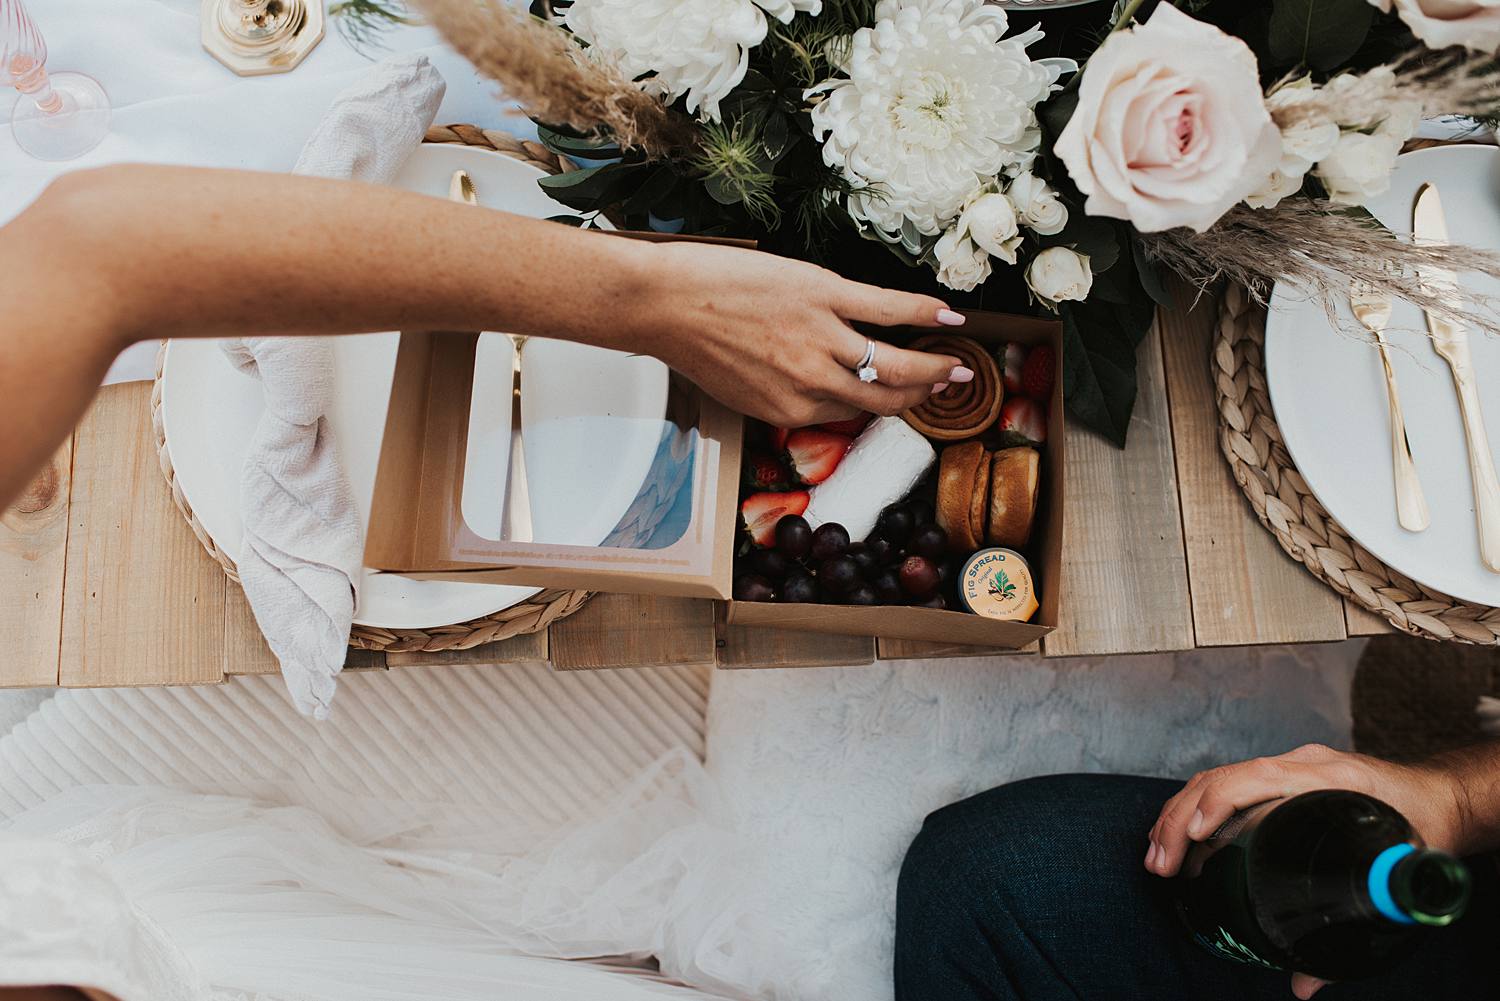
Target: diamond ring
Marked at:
866, 368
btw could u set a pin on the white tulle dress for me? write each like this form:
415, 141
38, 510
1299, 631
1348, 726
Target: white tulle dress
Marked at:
154, 894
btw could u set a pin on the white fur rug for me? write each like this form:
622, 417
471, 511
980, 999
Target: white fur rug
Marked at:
830, 772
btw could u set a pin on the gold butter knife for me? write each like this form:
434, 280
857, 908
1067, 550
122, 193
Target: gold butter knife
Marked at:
515, 521
1372, 309
1451, 341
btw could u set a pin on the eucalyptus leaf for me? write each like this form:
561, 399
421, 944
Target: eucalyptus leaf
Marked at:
579, 149
652, 191
568, 220
1322, 34
1089, 235
1149, 274
592, 188
1099, 361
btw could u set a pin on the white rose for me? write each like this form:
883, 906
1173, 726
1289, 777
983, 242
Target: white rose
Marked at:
1059, 274
1359, 167
962, 264
1474, 24
1171, 128
1276, 187
1038, 205
699, 48
990, 221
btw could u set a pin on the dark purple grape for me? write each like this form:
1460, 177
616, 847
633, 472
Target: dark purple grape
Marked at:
751, 587
767, 563
794, 536
864, 594
934, 601
929, 541
838, 574
881, 550
949, 569
799, 589
919, 576
887, 587
895, 524
829, 540
921, 511
863, 558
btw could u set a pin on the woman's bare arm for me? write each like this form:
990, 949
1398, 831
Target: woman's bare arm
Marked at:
108, 257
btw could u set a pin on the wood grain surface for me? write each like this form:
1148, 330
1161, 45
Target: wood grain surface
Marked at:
1244, 588
33, 557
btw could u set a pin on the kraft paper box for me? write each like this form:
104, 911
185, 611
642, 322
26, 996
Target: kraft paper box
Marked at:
1044, 553
632, 471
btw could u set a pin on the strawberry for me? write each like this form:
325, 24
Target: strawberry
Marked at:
1025, 417
1038, 372
778, 439
765, 473
851, 427
761, 512
815, 453
1011, 362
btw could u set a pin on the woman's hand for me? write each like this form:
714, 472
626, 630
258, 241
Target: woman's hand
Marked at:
1428, 796
771, 337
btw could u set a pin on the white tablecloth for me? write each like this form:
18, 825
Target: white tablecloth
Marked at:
174, 103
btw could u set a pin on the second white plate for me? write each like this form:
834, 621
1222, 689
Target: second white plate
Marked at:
1329, 393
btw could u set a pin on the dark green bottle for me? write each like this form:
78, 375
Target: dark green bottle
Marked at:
1334, 884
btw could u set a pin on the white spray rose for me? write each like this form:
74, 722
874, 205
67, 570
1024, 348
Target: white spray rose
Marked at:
1359, 167
1307, 140
962, 264
990, 221
1059, 274
1474, 24
1037, 204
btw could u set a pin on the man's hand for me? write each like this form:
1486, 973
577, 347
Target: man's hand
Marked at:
1430, 796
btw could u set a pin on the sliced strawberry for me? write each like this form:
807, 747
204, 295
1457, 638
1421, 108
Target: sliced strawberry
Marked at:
778, 439
815, 453
851, 427
1038, 372
1025, 417
765, 473
1011, 361
761, 512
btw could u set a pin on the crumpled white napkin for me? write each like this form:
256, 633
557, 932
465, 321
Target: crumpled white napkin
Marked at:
303, 549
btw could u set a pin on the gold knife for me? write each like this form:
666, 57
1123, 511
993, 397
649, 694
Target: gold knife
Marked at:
515, 521
1451, 341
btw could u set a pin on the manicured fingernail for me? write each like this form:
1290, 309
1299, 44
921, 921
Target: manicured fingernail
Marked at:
1196, 824
1151, 855
949, 318
961, 374
938, 387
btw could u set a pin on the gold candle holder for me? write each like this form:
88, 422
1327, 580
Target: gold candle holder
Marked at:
255, 37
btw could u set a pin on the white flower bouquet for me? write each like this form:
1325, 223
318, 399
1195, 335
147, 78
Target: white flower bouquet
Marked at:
1065, 169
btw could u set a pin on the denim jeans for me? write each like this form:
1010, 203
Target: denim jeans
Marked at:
1036, 891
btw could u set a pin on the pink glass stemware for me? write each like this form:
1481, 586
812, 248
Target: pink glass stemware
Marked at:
58, 116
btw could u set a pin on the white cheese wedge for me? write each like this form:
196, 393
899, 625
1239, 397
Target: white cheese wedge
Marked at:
887, 460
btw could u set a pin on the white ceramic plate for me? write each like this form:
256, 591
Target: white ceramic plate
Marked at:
210, 409
1329, 394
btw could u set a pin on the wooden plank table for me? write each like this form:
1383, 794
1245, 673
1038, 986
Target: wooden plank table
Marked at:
103, 583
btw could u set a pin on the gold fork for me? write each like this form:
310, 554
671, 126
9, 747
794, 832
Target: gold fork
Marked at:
1372, 309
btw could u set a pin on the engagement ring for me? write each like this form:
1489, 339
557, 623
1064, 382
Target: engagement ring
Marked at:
866, 368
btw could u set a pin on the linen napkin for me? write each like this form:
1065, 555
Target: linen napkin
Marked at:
301, 559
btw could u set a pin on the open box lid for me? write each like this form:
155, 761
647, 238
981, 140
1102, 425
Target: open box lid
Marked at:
630, 470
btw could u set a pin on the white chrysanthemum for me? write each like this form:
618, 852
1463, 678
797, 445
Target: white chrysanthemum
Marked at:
695, 47
936, 104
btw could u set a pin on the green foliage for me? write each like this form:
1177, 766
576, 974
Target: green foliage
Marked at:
1322, 34
738, 168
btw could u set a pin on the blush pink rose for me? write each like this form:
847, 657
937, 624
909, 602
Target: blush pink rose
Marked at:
1474, 24
1171, 128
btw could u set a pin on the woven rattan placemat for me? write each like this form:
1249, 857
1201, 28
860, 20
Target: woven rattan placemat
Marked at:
1251, 440
530, 616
